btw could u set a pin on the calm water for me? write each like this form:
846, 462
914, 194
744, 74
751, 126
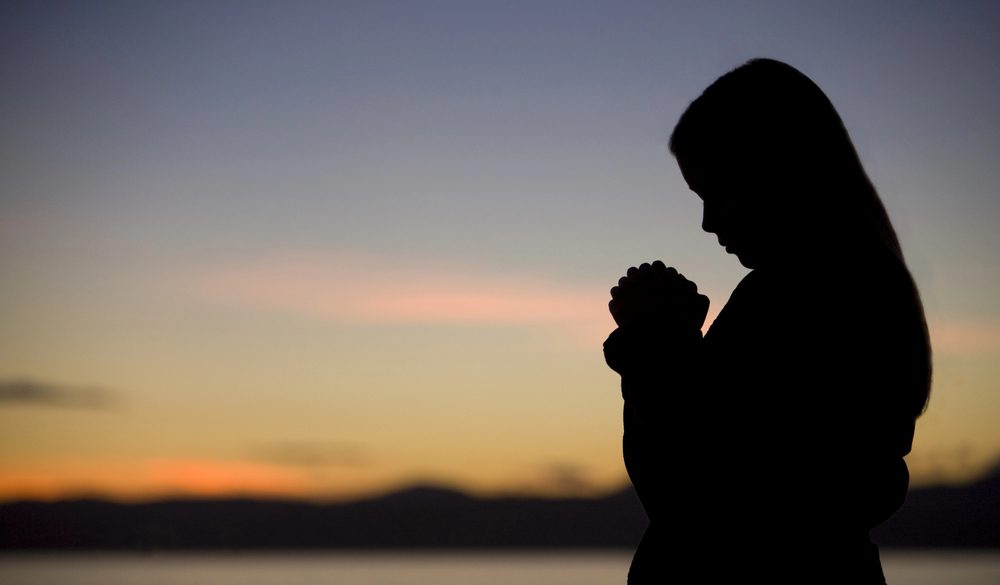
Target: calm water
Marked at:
902, 568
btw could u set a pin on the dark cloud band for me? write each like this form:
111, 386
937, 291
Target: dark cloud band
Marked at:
32, 392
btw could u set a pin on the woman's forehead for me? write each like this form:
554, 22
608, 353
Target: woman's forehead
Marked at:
705, 176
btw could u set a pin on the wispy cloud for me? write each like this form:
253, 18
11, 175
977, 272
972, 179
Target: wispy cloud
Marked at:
356, 288
965, 337
311, 454
366, 289
33, 392
567, 478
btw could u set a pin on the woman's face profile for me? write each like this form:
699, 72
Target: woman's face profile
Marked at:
731, 210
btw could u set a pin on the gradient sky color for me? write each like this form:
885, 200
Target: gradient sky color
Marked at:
324, 248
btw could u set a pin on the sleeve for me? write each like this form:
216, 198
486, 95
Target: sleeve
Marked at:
658, 374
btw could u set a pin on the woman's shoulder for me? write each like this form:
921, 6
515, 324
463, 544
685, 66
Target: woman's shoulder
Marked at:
876, 279
824, 297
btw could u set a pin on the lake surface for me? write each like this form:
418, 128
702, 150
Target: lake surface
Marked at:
576, 568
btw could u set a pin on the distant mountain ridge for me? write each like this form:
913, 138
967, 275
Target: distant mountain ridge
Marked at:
426, 517
432, 517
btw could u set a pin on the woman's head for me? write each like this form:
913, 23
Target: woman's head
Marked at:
767, 152
782, 185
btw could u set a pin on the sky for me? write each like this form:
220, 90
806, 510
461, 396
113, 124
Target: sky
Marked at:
326, 249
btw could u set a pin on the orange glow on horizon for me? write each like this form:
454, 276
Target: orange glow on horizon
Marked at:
198, 477
165, 478
156, 478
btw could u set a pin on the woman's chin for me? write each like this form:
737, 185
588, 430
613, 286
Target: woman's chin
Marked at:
747, 260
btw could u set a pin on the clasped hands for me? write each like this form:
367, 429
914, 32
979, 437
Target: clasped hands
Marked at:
655, 308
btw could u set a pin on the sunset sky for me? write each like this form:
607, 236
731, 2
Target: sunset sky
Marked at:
321, 249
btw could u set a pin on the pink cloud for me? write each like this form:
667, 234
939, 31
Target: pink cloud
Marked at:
964, 337
363, 289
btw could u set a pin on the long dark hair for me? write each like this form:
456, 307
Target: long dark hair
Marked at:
767, 117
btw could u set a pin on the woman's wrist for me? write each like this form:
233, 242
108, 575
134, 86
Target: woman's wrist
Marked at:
645, 350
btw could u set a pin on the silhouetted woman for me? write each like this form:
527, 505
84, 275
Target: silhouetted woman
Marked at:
768, 448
